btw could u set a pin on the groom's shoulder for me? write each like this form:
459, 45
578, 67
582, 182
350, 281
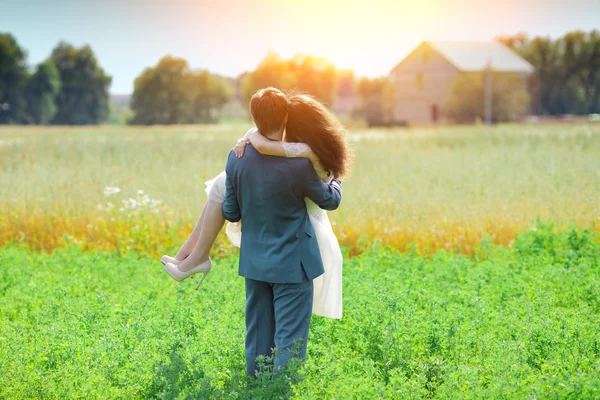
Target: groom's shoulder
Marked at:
249, 153
300, 163
232, 161
297, 166
231, 156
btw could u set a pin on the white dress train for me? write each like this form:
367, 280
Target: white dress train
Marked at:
327, 292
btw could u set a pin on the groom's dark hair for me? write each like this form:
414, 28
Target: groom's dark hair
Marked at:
268, 107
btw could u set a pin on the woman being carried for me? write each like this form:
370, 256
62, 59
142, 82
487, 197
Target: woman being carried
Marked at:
311, 132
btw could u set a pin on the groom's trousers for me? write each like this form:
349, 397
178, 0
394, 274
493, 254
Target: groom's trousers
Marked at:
277, 315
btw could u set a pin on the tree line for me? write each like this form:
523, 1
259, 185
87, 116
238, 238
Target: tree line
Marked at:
566, 81
71, 88
68, 88
567, 71
171, 93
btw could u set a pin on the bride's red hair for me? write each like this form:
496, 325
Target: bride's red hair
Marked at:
312, 123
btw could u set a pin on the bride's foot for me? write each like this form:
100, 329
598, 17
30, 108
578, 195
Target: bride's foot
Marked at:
188, 263
166, 259
176, 273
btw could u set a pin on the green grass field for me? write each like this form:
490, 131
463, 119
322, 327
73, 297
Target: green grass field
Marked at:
510, 324
472, 268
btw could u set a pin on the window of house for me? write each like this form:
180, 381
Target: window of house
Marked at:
419, 81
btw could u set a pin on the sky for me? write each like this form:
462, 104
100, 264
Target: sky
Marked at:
229, 37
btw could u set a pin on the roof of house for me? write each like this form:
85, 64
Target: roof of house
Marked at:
473, 56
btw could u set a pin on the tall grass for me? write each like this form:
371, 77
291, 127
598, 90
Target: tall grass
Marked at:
443, 188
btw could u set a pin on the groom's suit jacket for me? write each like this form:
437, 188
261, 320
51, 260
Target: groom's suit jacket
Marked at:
267, 193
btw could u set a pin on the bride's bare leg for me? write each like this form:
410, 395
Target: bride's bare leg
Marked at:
191, 241
212, 224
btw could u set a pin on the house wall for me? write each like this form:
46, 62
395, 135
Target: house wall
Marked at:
422, 80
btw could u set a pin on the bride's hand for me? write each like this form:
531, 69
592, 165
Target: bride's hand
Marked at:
240, 147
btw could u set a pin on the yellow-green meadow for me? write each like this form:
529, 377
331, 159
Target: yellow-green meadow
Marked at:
142, 188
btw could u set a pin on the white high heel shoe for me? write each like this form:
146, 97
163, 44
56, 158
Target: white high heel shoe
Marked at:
166, 259
175, 273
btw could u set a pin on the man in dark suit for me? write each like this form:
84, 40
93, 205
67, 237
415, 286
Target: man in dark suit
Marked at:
279, 256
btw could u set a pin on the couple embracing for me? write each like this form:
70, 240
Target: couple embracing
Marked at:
278, 181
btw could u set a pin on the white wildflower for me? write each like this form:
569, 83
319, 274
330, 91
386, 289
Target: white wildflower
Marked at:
110, 190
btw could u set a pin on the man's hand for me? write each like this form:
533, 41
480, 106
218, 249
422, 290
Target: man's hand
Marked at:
240, 147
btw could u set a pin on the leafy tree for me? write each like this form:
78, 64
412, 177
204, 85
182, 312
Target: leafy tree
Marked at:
159, 93
376, 100
272, 71
582, 60
13, 75
83, 97
40, 92
145, 102
465, 104
313, 75
172, 94
207, 93
549, 82
567, 71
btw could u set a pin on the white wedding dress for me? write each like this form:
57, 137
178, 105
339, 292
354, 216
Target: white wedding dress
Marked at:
327, 292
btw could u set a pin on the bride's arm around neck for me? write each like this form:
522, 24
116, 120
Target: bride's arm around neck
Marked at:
285, 149
264, 145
